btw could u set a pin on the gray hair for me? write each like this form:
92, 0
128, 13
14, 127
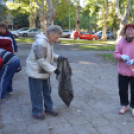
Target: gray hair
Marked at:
54, 29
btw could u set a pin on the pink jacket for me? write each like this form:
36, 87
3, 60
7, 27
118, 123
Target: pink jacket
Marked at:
124, 47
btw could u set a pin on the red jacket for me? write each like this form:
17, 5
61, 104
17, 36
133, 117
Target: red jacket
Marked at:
8, 43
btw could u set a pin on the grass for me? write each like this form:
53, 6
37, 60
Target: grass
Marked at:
66, 41
24, 40
92, 42
96, 47
108, 57
85, 44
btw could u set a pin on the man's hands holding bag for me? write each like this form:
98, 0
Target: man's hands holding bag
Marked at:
57, 72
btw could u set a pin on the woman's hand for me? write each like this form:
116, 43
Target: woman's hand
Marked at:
125, 57
130, 62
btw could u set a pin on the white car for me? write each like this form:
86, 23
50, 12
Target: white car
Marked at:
29, 33
15, 34
66, 34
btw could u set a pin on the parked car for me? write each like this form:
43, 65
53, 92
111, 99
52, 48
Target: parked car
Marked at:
16, 33
29, 33
66, 34
83, 35
109, 34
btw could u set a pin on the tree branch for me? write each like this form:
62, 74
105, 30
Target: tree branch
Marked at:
55, 3
49, 3
126, 15
117, 9
38, 3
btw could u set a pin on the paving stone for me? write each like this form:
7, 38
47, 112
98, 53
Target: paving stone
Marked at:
108, 130
94, 109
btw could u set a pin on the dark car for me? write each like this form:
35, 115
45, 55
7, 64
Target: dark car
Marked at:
83, 35
109, 35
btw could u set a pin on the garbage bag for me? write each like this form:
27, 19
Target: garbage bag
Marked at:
65, 89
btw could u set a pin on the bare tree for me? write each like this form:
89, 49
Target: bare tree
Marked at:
105, 16
41, 14
46, 18
122, 18
132, 12
50, 13
33, 16
78, 15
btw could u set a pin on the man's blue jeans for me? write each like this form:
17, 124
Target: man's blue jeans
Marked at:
40, 91
6, 75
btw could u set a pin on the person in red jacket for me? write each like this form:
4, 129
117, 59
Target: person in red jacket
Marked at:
7, 41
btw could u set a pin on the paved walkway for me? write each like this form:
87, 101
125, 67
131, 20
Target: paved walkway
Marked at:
94, 109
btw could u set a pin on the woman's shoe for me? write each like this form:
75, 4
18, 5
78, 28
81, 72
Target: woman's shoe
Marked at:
3, 99
52, 113
9, 93
39, 116
123, 110
133, 112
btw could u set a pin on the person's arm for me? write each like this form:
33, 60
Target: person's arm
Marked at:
56, 57
41, 53
15, 49
0, 62
117, 52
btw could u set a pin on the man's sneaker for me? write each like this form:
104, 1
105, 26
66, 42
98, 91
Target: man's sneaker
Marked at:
9, 93
53, 113
123, 110
3, 99
39, 116
133, 112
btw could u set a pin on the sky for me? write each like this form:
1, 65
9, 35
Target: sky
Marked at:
82, 3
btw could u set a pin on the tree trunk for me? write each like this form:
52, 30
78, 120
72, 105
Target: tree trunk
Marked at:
32, 17
104, 35
46, 19
123, 19
78, 16
41, 13
32, 21
132, 12
50, 13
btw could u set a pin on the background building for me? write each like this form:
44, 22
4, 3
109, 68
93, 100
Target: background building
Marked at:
9, 17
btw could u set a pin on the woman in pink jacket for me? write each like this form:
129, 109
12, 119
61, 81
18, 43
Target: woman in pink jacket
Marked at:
124, 53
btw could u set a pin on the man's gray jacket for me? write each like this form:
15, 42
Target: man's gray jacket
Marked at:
39, 63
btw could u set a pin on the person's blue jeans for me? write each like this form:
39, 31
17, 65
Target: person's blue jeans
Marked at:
40, 91
6, 75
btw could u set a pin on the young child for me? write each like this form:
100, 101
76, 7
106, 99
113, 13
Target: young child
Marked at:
124, 53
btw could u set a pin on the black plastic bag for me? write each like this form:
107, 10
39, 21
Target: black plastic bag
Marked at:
65, 89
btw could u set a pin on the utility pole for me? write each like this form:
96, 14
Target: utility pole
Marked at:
89, 23
69, 15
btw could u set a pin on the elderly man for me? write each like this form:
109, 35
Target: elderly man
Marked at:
39, 67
